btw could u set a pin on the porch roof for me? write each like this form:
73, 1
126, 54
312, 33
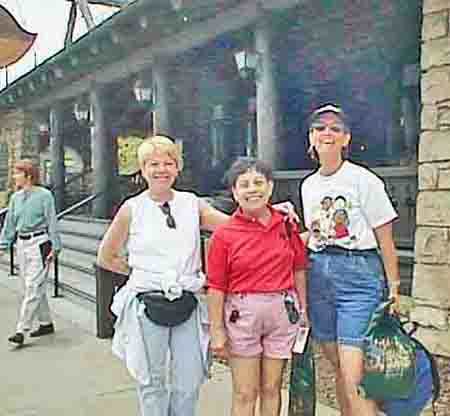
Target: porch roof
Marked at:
114, 3
129, 41
14, 39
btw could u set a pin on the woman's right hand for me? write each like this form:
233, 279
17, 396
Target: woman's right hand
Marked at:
218, 343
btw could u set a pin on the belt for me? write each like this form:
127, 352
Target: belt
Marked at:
29, 236
151, 294
157, 294
344, 251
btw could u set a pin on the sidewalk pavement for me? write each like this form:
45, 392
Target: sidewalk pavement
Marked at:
73, 373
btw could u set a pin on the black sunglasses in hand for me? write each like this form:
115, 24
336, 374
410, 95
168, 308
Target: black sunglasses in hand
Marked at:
170, 221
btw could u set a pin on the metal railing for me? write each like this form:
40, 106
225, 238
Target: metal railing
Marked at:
59, 216
78, 205
73, 179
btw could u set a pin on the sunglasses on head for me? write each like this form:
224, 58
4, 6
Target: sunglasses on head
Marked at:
170, 221
334, 128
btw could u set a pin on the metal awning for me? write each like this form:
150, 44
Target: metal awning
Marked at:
14, 40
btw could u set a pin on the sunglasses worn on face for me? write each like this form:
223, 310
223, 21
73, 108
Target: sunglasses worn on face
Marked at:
334, 128
170, 221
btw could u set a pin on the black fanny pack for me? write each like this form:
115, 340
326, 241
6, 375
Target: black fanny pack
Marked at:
165, 312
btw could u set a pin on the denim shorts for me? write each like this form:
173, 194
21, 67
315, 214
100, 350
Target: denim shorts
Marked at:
421, 395
343, 291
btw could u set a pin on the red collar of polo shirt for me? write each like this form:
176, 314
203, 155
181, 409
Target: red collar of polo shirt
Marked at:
276, 217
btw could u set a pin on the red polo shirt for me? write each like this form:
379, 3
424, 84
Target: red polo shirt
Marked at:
246, 256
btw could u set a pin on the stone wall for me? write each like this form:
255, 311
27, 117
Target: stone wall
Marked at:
431, 288
11, 133
20, 138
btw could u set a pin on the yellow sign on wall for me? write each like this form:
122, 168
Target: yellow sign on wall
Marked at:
127, 154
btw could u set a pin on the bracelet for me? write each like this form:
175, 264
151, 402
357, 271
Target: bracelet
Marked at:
393, 283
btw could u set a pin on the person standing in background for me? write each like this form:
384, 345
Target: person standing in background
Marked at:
31, 219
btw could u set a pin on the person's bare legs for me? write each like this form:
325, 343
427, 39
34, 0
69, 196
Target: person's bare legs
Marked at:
270, 389
330, 350
246, 374
351, 364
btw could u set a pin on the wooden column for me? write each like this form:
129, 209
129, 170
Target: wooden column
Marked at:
162, 123
58, 171
32, 134
269, 118
103, 156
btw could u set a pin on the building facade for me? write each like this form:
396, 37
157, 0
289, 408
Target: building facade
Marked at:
229, 78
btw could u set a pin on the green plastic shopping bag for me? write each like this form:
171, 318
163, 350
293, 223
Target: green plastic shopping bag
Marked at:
389, 358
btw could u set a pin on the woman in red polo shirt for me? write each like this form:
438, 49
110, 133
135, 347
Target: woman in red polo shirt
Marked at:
256, 290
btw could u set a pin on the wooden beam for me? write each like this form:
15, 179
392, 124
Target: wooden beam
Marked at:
83, 5
70, 25
112, 3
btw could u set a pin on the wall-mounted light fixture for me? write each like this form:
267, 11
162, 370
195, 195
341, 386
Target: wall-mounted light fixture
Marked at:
94, 49
58, 72
74, 61
248, 63
143, 90
176, 4
115, 38
81, 110
43, 128
143, 22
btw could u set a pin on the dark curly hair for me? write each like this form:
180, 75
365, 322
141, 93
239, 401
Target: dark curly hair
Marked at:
243, 165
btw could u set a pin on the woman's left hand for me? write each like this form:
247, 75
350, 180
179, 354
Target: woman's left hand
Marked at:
218, 343
395, 307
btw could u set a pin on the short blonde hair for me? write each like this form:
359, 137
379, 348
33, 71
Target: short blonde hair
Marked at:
162, 144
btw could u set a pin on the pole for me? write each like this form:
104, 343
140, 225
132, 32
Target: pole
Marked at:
56, 277
11, 261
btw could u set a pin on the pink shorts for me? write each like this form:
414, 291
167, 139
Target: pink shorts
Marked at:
262, 325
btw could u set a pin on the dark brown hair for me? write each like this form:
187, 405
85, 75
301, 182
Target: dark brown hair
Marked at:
243, 165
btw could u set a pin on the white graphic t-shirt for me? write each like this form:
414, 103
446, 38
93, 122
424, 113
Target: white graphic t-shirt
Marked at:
343, 209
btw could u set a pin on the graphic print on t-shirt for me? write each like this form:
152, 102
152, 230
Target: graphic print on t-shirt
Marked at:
331, 222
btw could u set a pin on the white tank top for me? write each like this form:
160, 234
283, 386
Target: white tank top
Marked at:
157, 253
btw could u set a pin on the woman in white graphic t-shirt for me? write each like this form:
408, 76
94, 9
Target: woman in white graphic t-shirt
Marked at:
349, 218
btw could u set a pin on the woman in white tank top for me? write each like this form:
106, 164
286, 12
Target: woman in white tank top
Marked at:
160, 230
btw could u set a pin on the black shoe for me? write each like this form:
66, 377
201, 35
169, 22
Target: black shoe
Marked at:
43, 330
17, 338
